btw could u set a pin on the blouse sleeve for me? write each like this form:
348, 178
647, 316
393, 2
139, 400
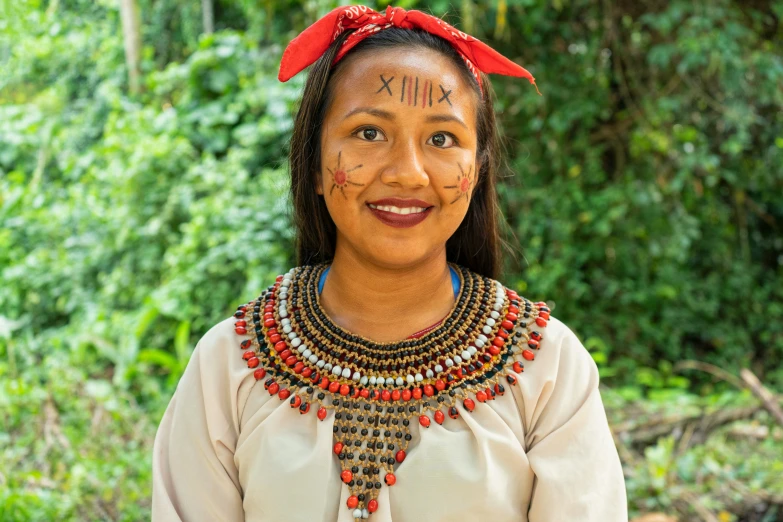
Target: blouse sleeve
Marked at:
578, 474
193, 471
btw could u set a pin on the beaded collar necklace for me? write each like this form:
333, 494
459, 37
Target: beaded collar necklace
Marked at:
376, 389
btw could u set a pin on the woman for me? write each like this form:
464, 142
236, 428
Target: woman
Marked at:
390, 376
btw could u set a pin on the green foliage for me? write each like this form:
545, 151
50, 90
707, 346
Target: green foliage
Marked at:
644, 188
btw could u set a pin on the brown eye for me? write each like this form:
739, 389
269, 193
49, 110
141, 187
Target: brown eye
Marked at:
369, 134
442, 140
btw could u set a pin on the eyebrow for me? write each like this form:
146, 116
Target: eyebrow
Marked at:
386, 115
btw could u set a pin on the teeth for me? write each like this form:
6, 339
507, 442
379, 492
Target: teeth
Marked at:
397, 210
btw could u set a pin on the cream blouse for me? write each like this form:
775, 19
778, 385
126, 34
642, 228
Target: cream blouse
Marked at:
228, 451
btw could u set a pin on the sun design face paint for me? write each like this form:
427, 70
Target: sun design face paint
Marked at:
340, 176
464, 184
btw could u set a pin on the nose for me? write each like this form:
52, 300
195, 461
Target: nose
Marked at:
405, 166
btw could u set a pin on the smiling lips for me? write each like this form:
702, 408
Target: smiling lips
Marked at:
400, 213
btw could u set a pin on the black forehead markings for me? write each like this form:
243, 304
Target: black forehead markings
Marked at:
416, 93
402, 95
430, 94
445, 95
385, 85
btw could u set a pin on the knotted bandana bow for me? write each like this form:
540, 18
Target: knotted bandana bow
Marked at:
311, 44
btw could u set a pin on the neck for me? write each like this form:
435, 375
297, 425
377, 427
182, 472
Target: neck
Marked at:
385, 303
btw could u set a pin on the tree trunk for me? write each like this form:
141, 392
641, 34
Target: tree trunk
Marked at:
208, 15
131, 32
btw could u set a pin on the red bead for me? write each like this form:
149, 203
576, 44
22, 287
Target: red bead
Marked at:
268, 315
269, 308
544, 315
372, 506
273, 388
453, 412
269, 323
290, 360
285, 354
304, 408
440, 385
386, 395
498, 341
390, 479
527, 354
284, 394
274, 339
324, 384
490, 394
439, 417
535, 336
511, 379
513, 309
346, 476
494, 350
508, 325
469, 404
315, 377
429, 391
518, 367
540, 304
279, 347
499, 389
252, 362
355, 394
245, 344
240, 330
400, 456
424, 421
352, 501
240, 323
278, 279
248, 354
345, 390
365, 393
299, 367
295, 401
540, 322
338, 448
395, 395
334, 386
406, 395
321, 413
259, 374
533, 344
417, 393
375, 395
511, 317
502, 334
480, 396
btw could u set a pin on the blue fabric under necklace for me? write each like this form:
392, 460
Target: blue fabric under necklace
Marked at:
454, 280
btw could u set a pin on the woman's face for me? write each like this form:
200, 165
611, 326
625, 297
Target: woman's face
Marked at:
402, 124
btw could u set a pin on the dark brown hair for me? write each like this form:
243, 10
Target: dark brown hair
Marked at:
476, 244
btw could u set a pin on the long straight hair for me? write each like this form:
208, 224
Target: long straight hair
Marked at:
476, 244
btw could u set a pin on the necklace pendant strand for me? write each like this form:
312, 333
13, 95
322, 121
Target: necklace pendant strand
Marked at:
377, 390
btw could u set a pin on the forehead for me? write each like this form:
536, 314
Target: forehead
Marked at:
403, 79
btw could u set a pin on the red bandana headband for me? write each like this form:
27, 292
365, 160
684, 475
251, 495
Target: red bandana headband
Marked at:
313, 42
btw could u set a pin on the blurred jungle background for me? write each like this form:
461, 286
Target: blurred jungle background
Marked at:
143, 197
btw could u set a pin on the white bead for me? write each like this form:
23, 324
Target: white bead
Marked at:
400, 381
479, 343
357, 513
380, 381
390, 381
438, 368
328, 366
313, 359
465, 355
292, 335
372, 380
487, 329
483, 337
301, 348
410, 379
320, 363
287, 328
419, 377
364, 380
472, 350
337, 370
285, 321
365, 513
490, 321
356, 376
430, 374
457, 359
285, 282
296, 341
347, 373
449, 363
307, 353
494, 315
283, 313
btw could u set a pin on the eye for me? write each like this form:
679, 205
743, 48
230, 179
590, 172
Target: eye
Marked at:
369, 134
442, 140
